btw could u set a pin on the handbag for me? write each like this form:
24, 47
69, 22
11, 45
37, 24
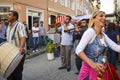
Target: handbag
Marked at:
110, 73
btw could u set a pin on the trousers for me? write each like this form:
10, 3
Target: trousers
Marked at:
17, 73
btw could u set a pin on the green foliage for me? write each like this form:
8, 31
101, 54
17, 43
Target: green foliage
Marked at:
50, 47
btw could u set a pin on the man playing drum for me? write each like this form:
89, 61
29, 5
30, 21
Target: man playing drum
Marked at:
19, 40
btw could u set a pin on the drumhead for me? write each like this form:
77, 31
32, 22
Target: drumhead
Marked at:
13, 65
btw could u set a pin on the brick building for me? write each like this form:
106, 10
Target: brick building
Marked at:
45, 10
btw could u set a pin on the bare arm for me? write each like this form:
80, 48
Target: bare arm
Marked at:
80, 52
22, 45
118, 38
35, 31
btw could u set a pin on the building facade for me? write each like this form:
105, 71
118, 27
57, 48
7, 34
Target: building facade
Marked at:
44, 10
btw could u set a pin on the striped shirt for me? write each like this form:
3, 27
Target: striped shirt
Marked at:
20, 32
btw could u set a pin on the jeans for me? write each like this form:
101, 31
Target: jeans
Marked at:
42, 40
2, 40
27, 43
35, 43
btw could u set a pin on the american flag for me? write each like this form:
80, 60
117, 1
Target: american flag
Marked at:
60, 19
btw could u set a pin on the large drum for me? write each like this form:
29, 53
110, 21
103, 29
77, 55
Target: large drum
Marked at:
9, 59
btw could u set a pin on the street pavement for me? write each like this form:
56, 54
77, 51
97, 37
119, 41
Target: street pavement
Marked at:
37, 67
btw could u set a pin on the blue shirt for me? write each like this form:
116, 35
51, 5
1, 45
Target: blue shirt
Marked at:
113, 35
66, 38
2, 34
42, 30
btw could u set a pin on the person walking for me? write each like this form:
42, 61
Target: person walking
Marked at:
66, 43
20, 35
92, 46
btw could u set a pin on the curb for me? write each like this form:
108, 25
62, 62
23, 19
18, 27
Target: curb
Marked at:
31, 55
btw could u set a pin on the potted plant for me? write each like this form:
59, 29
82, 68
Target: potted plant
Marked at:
50, 50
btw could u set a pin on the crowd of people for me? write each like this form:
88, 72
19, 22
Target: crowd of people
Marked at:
89, 39
99, 37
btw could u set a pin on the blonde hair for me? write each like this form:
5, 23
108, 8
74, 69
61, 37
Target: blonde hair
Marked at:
91, 24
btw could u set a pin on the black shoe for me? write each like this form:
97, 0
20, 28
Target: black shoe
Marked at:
68, 69
63, 67
119, 62
77, 73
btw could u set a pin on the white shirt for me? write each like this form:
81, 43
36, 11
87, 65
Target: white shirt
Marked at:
88, 37
35, 34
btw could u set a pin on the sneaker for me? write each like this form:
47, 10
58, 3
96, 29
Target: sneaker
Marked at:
36, 50
33, 51
77, 73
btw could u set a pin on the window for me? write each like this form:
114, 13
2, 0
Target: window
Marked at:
77, 4
4, 11
54, 0
66, 3
72, 4
33, 16
62, 2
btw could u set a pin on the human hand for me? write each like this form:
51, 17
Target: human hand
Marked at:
22, 51
99, 68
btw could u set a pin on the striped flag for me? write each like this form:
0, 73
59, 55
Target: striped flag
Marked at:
60, 19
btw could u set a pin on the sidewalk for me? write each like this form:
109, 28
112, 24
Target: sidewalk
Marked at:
31, 54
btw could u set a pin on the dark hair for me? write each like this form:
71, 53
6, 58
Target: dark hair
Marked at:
69, 17
41, 21
87, 20
15, 13
111, 27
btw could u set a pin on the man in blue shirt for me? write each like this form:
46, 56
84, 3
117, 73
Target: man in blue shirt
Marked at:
66, 43
2, 31
42, 34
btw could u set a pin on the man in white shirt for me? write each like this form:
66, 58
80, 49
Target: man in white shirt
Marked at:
18, 40
35, 36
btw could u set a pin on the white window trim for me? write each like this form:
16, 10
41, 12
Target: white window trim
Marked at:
7, 5
36, 10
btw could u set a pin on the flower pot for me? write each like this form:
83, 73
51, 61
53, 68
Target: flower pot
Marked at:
50, 56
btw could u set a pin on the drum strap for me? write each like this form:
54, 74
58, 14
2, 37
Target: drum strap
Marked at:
14, 32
